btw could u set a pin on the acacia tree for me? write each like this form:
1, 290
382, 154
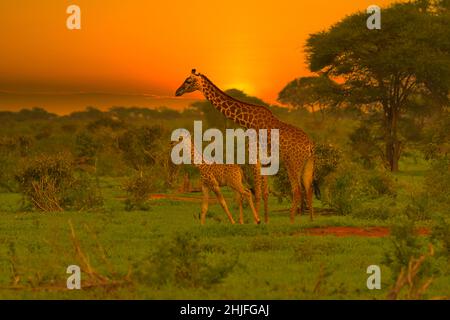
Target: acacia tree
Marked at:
315, 92
386, 68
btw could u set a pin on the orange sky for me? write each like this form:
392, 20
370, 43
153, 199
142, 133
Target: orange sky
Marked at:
143, 47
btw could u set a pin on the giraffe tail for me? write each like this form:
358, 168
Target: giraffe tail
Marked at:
316, 188
315, 181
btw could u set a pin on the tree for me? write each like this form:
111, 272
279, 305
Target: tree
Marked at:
312, 92
385, 69
143, 147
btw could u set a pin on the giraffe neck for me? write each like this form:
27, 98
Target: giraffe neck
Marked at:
195, 153
244, 114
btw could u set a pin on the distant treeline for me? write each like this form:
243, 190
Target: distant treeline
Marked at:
91, 113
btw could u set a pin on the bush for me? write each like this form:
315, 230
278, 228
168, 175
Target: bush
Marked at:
441, 236
184, 262
381, 208
51, 183
434, 197
437, 186
415, 261
350, 186
7, 167
142, 147
405, 244
86, 147
281, 184
365, 143
12, 148
139, 188
326, 161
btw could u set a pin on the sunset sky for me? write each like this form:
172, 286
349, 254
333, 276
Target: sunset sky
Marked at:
137, 52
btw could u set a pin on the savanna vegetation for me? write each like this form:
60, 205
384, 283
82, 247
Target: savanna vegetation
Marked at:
97, 188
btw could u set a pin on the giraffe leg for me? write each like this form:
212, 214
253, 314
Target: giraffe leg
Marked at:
257, 185
265, 188
248, 195
205, 200
302, 206
307, 180
235, 182
222, 202
296, 191
241, 210
239, 188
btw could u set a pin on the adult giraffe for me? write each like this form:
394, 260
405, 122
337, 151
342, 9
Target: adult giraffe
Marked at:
297, 150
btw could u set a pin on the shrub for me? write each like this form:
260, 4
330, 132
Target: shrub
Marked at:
7, 168
327, 158
51, 183
86, 147
281, 184
142, 147
381, 208
441, 236
105, 122
437, 186
365, 143
12, 148
184, 262
405, 244
350, 186
434, 198
18, 145
415, 261
44, 132
436, 143
85, 193
139, 188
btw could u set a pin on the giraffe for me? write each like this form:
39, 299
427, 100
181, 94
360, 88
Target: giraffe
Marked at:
261, 188
296, 148
213, 176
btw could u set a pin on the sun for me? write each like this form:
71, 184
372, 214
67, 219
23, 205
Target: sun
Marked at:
243, 86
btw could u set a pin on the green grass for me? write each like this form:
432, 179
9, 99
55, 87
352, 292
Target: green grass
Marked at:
274, 261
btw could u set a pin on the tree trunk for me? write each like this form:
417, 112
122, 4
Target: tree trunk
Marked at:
393, 148
393, 145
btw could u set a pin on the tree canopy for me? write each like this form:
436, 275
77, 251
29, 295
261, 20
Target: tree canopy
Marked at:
386, 69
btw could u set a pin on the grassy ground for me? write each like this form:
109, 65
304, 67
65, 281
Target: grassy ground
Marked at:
274, 261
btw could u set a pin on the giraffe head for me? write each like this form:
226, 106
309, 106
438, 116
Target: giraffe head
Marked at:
191, 84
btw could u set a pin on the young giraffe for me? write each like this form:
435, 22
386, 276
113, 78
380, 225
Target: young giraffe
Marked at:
213, 176
297, 150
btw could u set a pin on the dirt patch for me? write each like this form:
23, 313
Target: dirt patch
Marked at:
369, 232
